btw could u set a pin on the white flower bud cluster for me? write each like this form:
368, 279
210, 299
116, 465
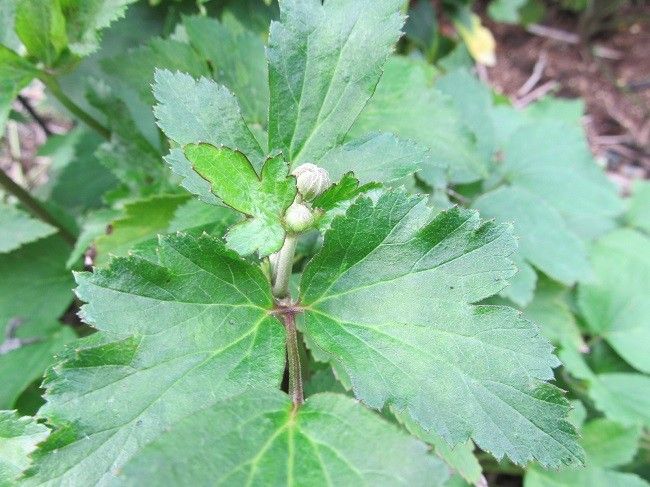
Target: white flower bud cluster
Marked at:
311, 180
298, 217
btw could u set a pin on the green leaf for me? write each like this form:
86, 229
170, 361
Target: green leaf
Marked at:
473, 100
377, 157
8, 35
35, 285
15, 74
638, 213
94, 225
388, 301
128, 154
137, 228
615, 305
195, 217
550, 310
460, 458
406, 103
324, 63
522, 284
175, 338
607, 445
260, 439
190, 111
551, 159
135, 68
346, 189
18, 228
18, 438
506, 10
238, 60
421, 26
86, 18
22, 366
623, 397
592, 477
77, 180
40, 25
545, 240
263, 199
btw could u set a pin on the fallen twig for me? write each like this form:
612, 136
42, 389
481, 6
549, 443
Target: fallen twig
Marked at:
552, 33
536, 75
536, 94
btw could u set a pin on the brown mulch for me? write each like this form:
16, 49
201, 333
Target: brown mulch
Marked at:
611, 73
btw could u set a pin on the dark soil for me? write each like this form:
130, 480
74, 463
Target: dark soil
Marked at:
611, 72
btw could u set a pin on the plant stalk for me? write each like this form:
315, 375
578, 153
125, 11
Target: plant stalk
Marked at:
284, 267
282, 272
293, 359
53, 85
35, 207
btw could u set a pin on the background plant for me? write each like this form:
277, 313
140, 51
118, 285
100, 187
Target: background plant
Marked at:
185, 315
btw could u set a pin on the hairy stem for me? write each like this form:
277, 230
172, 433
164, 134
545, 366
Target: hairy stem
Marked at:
293, 359
283, 267
282, 273
53, 85
35, 207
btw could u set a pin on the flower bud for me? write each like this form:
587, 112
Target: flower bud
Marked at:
311, 180
298, 218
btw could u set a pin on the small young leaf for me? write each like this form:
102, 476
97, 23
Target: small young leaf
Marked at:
389, 302
325, 60
260, 439
264, 198
175, 338
346, 189
18, 228
18, 439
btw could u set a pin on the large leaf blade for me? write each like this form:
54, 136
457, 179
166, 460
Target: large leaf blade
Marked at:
457, 369
324, 63
175, 337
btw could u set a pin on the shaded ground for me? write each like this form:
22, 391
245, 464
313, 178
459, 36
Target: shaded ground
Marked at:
612, 75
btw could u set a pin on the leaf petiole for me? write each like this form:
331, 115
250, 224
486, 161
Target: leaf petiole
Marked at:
55, 88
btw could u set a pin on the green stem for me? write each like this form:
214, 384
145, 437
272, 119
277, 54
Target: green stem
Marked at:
284, 267
53, 85
36, 207
282, 273
293, 359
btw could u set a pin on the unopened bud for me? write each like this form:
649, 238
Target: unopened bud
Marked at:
298, 217
311, 180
